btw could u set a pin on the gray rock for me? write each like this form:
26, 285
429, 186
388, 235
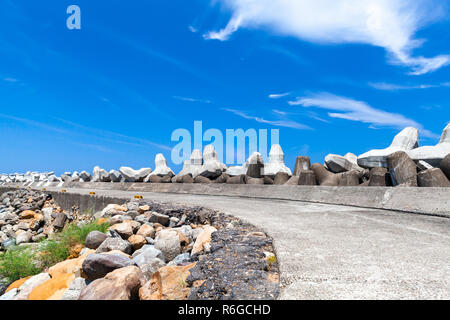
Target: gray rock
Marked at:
85, 176
23, 237
115, 244
94, 239
293, 181
201, 179
182, 258
168, 242
28, 286
74, 290
115, 176
255, 180
146, 255
149, 269
60, 220
97, 266
9, 295
159, 218
242, 179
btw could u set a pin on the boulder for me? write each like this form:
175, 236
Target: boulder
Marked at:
121, 284
23, 237
131, 175
161, 168
168, 242
29, 285
433, 154
445, 166
281, 178
255, 166
149, 269
378, 177
185, 171
212, 167
402, 169
159, 218
267, 180
276, 162
195, 165
123, 229
301, 164
97, 266
337, 164
325, 177
137, 241
60, 220
407, 139
94, 239
168, 283
146, 255
74, 290
221, 179
433, 178
423, 165
52, 289
203, 239
115, 244
146, 231
307, 178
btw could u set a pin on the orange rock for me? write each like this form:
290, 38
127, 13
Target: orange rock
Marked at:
102, 221
120, 284
168, 283
27, 214
74, 251
137, 241
146, 231
52, 289
17, 283
71, 266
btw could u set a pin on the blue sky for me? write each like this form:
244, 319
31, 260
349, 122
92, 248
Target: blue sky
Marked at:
333, 76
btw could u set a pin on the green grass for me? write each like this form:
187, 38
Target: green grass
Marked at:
21, 262
18, 263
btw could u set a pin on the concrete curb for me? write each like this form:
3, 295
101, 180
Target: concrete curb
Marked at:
428, 201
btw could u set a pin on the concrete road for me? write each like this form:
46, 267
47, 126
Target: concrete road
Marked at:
339, 252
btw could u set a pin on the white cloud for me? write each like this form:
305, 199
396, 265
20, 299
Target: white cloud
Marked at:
12, 80
390, 24
191, 99
349, 109
278, 95
396, 87
278, 123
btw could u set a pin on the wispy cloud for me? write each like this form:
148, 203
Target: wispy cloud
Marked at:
11, 80
397, 87
278, 123
350, 109
391, 24
191, 99
278, 95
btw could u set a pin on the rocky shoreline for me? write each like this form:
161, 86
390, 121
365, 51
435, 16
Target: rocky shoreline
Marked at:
403, 164
150, 251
